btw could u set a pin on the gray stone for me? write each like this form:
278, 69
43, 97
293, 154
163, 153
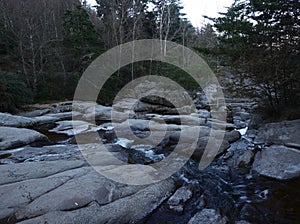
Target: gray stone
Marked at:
73, 194
45, 119
46, 153
142, 107
15, 137
16, 121
17, 194
130, 209
220, 124
228, 155
65, 115
278, 162
35, 113
71, 128
239, 124
12, 173
255, 122
244, 116
246, 159
280, 133
204, 113
208, 216
62, 107
242, 222
98, 112
179, 198
232, 136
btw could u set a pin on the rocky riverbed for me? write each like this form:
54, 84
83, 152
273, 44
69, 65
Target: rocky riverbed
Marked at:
44, 178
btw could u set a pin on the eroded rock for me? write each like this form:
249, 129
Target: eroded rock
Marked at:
278, 162
208, 216
15, 137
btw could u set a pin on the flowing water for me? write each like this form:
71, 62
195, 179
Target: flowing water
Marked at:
238, 194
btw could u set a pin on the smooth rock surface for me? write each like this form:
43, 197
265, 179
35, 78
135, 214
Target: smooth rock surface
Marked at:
73, 127
16, 121
278, 162
128, 208
208, 216
281, 133
15, 137
98, 112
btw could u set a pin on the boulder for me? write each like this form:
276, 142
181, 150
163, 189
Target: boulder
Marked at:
246, 159
46, 119
71, 128
232, 136
65, 115
128, 208
255, 121
242, 222
16, 137
16, 121
281, 133
36, 113
279, 162
208, 216
244, 116
62, 107
204, 113
46, 153
98, 112
179, 198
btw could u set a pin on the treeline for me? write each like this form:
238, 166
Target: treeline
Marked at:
45, 45
260, 40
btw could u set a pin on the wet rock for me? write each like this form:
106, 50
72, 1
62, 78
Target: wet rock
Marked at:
228, 155
208, 216
142, 107
249, 212
251, 133
242, 222
15, 137
204, 113
98, 112
5, 155
278, 162
246, 159
220, 124
239, 124
153, 99
232, 136
144, 154
244, 116
45, 119
65, 115
179, 198
71, 128
280, 133
36, 113
16, 121
62, 107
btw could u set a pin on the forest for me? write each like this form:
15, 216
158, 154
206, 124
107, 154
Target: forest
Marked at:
163, 149
47, 44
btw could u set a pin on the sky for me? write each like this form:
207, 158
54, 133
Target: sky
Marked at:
195, 9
